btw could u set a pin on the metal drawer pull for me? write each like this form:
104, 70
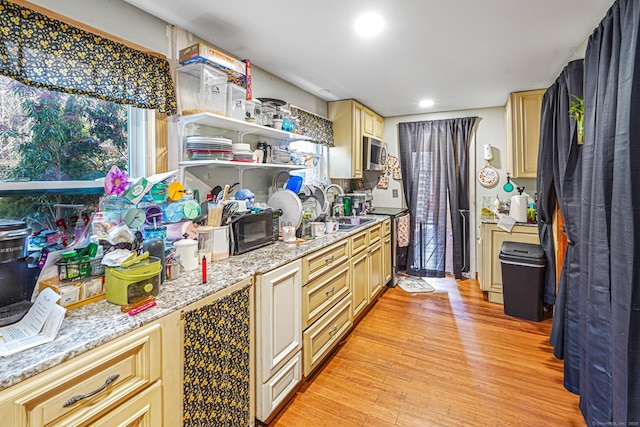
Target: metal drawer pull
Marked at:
330, 291
78, 397
333, 330
329, 259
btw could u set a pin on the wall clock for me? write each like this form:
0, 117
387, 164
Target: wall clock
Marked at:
488, 176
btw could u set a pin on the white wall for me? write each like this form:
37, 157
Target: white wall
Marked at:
490, 130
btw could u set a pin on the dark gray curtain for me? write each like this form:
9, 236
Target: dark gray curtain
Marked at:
609, 234
560, 173
434, 156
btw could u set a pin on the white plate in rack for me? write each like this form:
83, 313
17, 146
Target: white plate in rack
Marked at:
290, 204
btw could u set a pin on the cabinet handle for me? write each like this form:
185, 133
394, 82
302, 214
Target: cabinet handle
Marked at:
330, 291
329, 259
79, 397
333, 330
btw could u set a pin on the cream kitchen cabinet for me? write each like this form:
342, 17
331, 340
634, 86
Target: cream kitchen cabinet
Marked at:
489, 245
279, 337
326, 303
522, 119
373, 124
375, 262
119, 381
345, 157
370, 265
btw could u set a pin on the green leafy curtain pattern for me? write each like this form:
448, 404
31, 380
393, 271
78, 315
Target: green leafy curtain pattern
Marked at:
319, 129
46, 53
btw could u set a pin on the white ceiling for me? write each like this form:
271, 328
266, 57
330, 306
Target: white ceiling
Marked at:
461, 53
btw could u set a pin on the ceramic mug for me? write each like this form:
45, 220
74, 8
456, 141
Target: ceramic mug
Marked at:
288, 234
331, 227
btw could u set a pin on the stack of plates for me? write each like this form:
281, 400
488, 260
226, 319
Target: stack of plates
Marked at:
209, 148
242, 153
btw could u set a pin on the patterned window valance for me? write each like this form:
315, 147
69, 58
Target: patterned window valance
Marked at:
46, 53
319, 129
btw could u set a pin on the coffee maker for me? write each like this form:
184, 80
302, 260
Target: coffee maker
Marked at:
17, 277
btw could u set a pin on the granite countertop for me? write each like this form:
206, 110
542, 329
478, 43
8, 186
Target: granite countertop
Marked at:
97, 323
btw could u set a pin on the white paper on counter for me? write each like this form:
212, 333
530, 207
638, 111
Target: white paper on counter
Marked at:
40, 325
506, 222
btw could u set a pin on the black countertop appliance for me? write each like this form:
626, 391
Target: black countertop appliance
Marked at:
17, 277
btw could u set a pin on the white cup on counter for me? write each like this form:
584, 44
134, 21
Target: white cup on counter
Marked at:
330, 227
288, 234
317, 229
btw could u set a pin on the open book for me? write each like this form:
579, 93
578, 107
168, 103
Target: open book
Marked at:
40, 325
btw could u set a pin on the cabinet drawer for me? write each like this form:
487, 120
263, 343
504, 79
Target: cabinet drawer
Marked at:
386, 227
317, 263
144, 409
359, 242
283, 382
374, 234
319, 295
320, 338
135, 359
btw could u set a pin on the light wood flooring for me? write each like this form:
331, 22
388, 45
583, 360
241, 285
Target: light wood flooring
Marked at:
448, 358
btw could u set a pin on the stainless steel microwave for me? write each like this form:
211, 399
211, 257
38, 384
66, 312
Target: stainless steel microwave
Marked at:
374, 153
255, 230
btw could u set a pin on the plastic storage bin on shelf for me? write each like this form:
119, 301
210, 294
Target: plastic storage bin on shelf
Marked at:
523, 268
202, 88
236, 101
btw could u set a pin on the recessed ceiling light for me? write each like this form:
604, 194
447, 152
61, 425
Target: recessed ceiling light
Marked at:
324, 91
426, 103
369, 24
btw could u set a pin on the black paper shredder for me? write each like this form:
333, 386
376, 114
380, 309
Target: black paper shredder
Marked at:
523, 271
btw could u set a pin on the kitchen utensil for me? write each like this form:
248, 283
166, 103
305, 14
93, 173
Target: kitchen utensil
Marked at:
187, 250
220, 249
290, 205
205, 242
508, 187
317, 229
137, 277
294, 183
214, 193
280, 181
134, 217
176, 191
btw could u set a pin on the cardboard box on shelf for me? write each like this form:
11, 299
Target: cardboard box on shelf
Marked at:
200, 52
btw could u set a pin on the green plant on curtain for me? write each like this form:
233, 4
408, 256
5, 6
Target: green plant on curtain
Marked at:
576, 111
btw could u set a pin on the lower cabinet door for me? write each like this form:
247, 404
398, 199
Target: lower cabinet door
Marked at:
375, 272
359, 282
274, 391
143, 410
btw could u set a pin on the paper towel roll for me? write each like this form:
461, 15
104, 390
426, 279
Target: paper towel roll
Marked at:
518, 208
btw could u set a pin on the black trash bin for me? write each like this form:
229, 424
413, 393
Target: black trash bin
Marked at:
523, 279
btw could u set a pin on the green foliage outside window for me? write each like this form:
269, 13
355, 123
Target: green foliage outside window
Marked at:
52, 136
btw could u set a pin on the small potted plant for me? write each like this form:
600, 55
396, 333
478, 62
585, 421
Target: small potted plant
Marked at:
576, 111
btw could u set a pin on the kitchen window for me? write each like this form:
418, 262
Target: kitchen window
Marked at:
55, 148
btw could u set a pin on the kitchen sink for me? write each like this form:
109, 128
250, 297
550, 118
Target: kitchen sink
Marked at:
354, 220
349, 222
